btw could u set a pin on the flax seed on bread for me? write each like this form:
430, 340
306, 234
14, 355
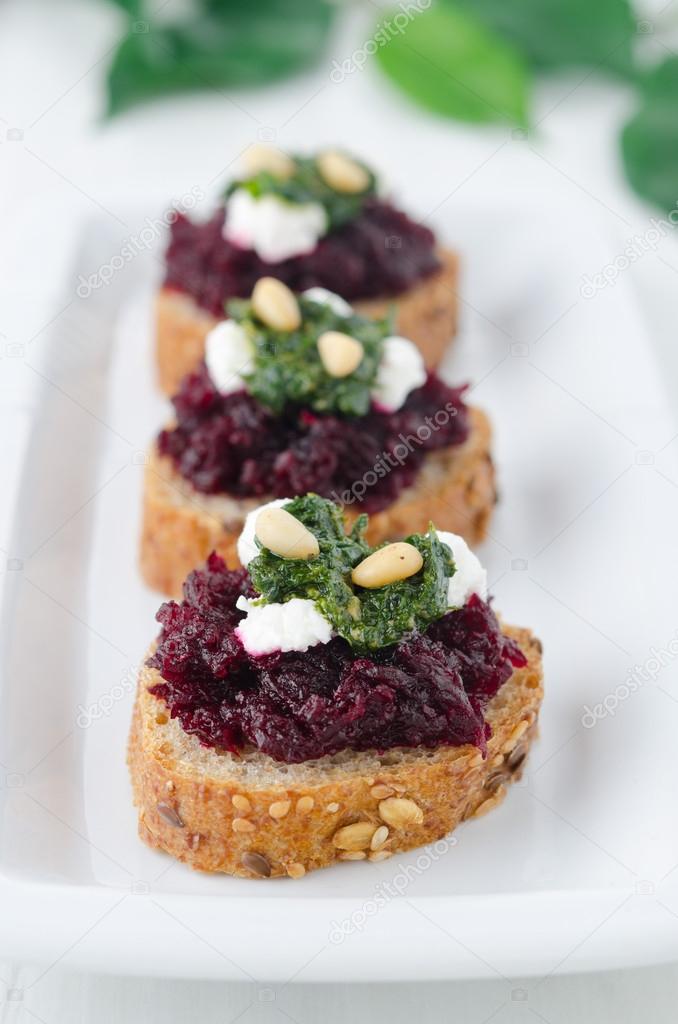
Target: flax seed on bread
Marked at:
252, 816
427, 314
455, 489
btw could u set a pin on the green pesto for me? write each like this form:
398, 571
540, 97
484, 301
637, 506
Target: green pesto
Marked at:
367, 619
287, 369
307, 186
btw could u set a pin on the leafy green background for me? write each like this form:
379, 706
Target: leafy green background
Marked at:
453, 65
472, 60
650, 139
224, 44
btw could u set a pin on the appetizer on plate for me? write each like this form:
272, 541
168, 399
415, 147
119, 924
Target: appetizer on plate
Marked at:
330, 701
314, 221
302, 394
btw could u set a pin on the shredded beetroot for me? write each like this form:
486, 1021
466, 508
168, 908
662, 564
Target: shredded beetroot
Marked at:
232, 444
428, 690
380, 253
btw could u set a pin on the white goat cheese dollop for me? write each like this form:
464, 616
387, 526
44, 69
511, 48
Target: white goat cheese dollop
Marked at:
274, 228
400, 371
228, 355
295, 625
470, 577
327, 298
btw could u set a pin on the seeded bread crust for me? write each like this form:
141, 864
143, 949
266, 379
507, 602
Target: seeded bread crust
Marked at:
455, 489
254, 817
427, 314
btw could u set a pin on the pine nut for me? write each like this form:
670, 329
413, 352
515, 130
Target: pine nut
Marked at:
488, 805
279, 808
259, 157
305, 805
379, 838
514, 737
276, 305
380, 791
242, 825
380, 855
340, 354
284, 535
399, 812
242, 803
354, 837
296, 870
387, 565
342, 173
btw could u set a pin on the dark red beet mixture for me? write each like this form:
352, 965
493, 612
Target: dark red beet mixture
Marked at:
428, 690
381, 252
232, 444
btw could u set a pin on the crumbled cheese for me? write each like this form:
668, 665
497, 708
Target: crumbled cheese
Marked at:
327, 298
275, 228
400, 371
295, 625
470, 577
228, 356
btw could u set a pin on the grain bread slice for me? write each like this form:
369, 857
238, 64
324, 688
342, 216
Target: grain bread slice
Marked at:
427, 314
254, 817
455, 489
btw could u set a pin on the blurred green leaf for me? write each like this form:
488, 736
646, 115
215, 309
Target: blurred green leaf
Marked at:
450, 63
237, 43
650, 139
562, 33
132, 7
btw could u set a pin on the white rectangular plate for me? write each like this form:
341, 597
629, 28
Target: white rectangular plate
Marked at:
574, 871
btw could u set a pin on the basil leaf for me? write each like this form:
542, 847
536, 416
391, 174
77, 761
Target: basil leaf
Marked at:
241, 43
563, 33
650, 139
451, 64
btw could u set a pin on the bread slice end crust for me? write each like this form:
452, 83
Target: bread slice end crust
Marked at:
427, 314
254, 817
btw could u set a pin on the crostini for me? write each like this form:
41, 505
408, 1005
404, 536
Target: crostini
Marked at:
297, 394
311, 221
329, 701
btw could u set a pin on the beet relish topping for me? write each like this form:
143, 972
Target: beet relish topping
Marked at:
428, 690
232, 443
381, 252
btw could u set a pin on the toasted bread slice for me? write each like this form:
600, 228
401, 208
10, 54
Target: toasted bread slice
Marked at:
427, 314
252, 816
455, 489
